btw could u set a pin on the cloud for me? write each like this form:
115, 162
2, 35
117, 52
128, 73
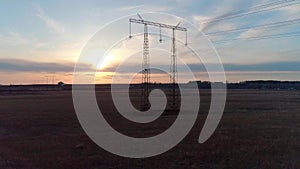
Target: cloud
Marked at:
201, 20
293, 9
250, 33
12, 39
19, 65
228, 67
267, 67
142, 8
232, 16
214, 18
128, 8
50, 22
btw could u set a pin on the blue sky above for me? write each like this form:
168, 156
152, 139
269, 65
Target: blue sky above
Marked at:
54, 32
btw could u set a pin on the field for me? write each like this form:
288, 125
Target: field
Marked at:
260, 129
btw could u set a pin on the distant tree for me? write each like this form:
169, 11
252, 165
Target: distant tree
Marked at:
60, 83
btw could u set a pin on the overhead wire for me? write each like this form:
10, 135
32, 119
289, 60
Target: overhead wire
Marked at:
261, 37
267, 25
254, 10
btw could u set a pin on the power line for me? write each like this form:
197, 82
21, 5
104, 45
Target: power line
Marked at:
248, 11
267, 25
261, 37
257, 9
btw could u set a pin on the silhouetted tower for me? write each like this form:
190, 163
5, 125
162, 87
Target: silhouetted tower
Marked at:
146, 71
173, 73
172, 96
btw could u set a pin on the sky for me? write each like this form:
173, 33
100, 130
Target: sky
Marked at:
40, 41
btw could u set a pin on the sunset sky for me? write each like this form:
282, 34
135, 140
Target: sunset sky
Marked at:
256, 39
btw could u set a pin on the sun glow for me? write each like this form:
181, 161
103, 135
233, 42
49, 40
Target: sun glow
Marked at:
108, 59
104, 69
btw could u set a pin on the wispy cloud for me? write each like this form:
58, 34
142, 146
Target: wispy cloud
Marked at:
19, 65
50, 22
233, 17
230, 67
12, 38
252, 33
143, 8
292, 10
129, 8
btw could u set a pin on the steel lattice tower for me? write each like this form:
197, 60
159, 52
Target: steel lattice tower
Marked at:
145, 71
172, 95
173, 73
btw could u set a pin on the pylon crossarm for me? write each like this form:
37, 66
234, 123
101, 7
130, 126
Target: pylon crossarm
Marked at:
156, 24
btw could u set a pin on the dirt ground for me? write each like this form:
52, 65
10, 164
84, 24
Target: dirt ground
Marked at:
259, 130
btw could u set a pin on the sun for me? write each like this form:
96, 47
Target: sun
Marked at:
103, 73
107, 61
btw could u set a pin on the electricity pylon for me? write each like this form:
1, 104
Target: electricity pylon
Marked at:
146, 61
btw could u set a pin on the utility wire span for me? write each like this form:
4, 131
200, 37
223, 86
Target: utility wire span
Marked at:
262, 26
236, 14
258, 9
260, 37
254, 10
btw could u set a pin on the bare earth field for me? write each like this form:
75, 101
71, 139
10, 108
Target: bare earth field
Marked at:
259, 130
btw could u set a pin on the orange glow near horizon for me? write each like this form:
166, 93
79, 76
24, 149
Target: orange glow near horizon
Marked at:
18, 78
